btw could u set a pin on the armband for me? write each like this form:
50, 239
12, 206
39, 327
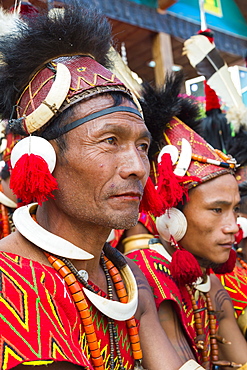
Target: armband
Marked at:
135, 242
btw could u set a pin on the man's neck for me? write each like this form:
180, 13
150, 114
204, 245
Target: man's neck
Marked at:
84, 235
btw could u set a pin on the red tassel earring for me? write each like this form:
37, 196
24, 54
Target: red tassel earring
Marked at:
228, 266
184, 267
33, 159
151, 201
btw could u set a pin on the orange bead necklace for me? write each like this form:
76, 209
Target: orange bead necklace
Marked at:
5, 220
71, 276
242, 263
212, 357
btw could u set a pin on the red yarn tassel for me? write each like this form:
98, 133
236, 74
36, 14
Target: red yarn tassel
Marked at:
170, 186
151, 201
31, 179
228, 266
239, 235
184, 267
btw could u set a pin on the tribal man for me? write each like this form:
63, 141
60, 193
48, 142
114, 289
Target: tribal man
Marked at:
84, 162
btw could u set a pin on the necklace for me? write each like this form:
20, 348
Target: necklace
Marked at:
71, 277
212, 357
25, 223
63, 268
200, 338
242, 262
6, 201
114, 309
5, 220
6, 214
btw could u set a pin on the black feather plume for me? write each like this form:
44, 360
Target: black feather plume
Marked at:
237, 147
75, 30
161, 104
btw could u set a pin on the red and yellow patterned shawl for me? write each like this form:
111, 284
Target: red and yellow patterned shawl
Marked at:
156, 269
39, 323
236, 285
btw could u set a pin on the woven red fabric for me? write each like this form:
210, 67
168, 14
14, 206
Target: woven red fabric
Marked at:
204, 171
86, 74
156, 268
39, 320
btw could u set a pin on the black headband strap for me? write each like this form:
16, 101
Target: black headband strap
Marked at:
92, 116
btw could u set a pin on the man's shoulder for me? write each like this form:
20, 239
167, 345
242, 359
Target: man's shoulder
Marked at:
150, 260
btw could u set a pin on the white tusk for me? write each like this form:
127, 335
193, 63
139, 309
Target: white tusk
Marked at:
115, 309
6, 201
43, 238
54, 99
184, 158
170, 149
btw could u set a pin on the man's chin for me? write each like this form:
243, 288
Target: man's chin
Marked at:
203, 262
125, 222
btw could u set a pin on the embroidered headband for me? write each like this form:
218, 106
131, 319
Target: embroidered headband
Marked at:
60, 84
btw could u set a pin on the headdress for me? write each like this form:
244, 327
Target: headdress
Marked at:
184, 158
50, 62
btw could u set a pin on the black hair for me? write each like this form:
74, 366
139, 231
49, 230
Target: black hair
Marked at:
5, 174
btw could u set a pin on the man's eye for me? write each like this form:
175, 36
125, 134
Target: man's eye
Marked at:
237, 209
217, 210
110, 140
143, 147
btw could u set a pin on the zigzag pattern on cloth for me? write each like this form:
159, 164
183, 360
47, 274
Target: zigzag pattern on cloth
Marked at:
39, 322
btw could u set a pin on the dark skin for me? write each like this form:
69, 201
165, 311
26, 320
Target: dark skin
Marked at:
101, 176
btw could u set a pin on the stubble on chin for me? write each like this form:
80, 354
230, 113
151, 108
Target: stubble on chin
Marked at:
124, 222
205, 263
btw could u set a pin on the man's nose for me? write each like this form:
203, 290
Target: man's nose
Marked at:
133, 164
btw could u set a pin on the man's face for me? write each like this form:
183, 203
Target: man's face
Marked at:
105, 167
211, 215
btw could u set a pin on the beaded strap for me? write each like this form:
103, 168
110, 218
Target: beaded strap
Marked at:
123, 297
82, 307
5, 220
77, 294
242, 262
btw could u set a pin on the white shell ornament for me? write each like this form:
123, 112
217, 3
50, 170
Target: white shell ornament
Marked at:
115, 309
34, 145
170, 149
242, 221
172, 223
44, 239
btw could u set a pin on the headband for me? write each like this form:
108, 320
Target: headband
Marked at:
95, 115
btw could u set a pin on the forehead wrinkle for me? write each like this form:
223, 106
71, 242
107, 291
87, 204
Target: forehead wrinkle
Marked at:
121, 129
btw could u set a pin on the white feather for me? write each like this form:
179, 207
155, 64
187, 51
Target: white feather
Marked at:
7, 21
197, 48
